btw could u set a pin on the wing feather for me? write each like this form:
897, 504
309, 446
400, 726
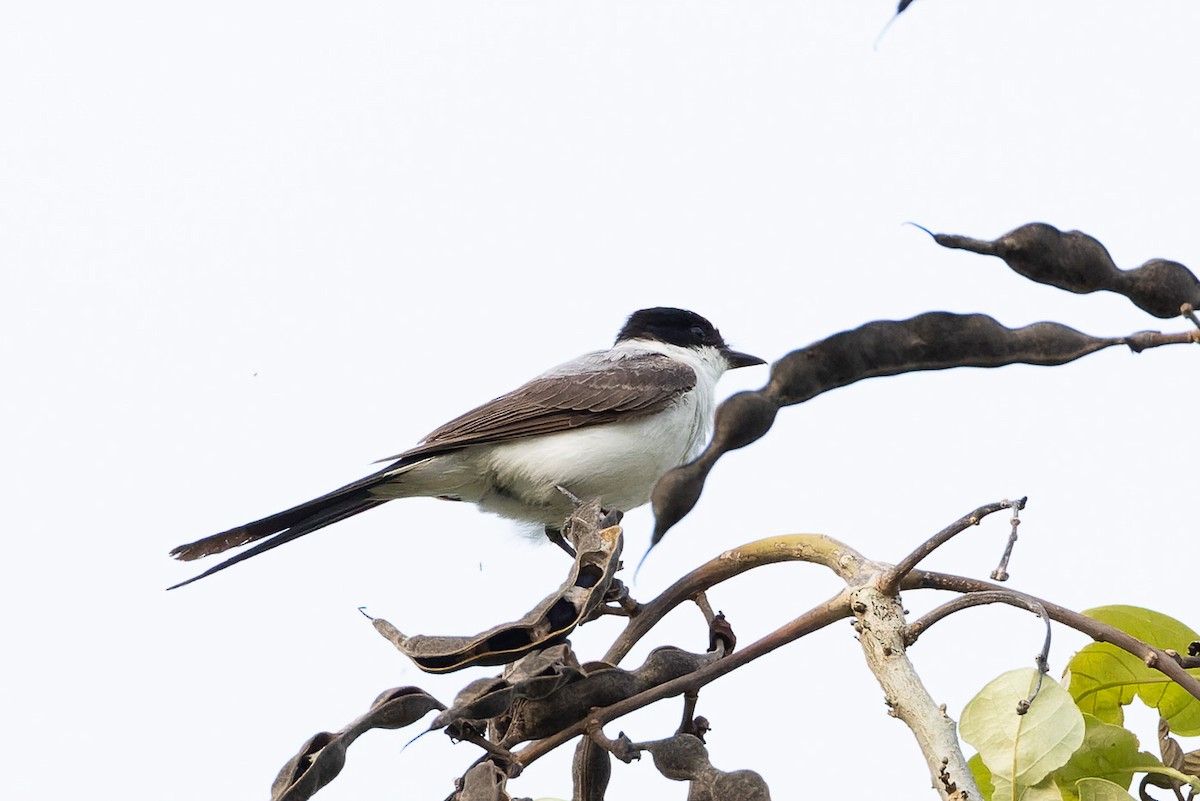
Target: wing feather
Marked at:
603, 391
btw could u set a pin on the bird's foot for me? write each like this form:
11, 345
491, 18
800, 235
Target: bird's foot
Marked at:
556, 536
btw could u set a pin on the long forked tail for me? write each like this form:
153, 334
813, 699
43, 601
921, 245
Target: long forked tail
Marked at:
287, 525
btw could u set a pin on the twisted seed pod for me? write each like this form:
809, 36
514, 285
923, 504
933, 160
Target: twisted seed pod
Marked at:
684, 758
1076, 262
591, 769
598, 553
542, 717
323, 755
483, 782
930, 341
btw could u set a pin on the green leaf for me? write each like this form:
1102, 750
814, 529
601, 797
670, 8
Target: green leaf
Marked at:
1101, 790
1161, 631
1104, 677
1022, 750
983, 777
1108, 752
1045, 790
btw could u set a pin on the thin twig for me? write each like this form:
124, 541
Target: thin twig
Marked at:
1188, 311
1001, 571
1144, 340
495, 752
622, 747
814, 548
1153, 657
998, 596
690, 698
890, 582
701, 600
1010, 597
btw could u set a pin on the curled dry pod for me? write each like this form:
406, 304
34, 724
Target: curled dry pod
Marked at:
483, 782
542, 717
685, 758
477, 703
490, 702
598, 552
591, 769
323, 756
318, 762
541, 663
681, 758
1076, 262
930, 341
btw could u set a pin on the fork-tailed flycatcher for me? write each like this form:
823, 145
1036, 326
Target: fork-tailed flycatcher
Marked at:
606, 425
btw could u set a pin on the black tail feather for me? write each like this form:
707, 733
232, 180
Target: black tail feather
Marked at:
303, 514
349, 507
251, 532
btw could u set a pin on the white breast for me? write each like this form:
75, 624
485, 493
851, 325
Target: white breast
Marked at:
618, 462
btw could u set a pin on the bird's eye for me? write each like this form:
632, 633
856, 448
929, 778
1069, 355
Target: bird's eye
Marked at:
698, 331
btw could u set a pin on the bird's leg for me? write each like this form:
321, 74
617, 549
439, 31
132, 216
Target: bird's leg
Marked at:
556, 536
572, 497
608, 517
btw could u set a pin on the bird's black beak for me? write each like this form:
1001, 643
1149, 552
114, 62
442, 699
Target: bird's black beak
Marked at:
736, 359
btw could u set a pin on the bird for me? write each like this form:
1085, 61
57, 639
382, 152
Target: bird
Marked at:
605, 425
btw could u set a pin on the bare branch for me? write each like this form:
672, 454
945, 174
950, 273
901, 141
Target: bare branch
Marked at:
999, 596
890, 581
915, 629
880, 622
1156, 658
816, 548
1001, 571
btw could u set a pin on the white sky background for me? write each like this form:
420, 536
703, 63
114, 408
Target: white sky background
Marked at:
246, 249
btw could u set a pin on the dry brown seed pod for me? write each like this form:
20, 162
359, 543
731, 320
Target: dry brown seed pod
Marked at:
323, 755
598, 553
483, 782
1078, 263
573, 701
685, 758
930, 341
591, 769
